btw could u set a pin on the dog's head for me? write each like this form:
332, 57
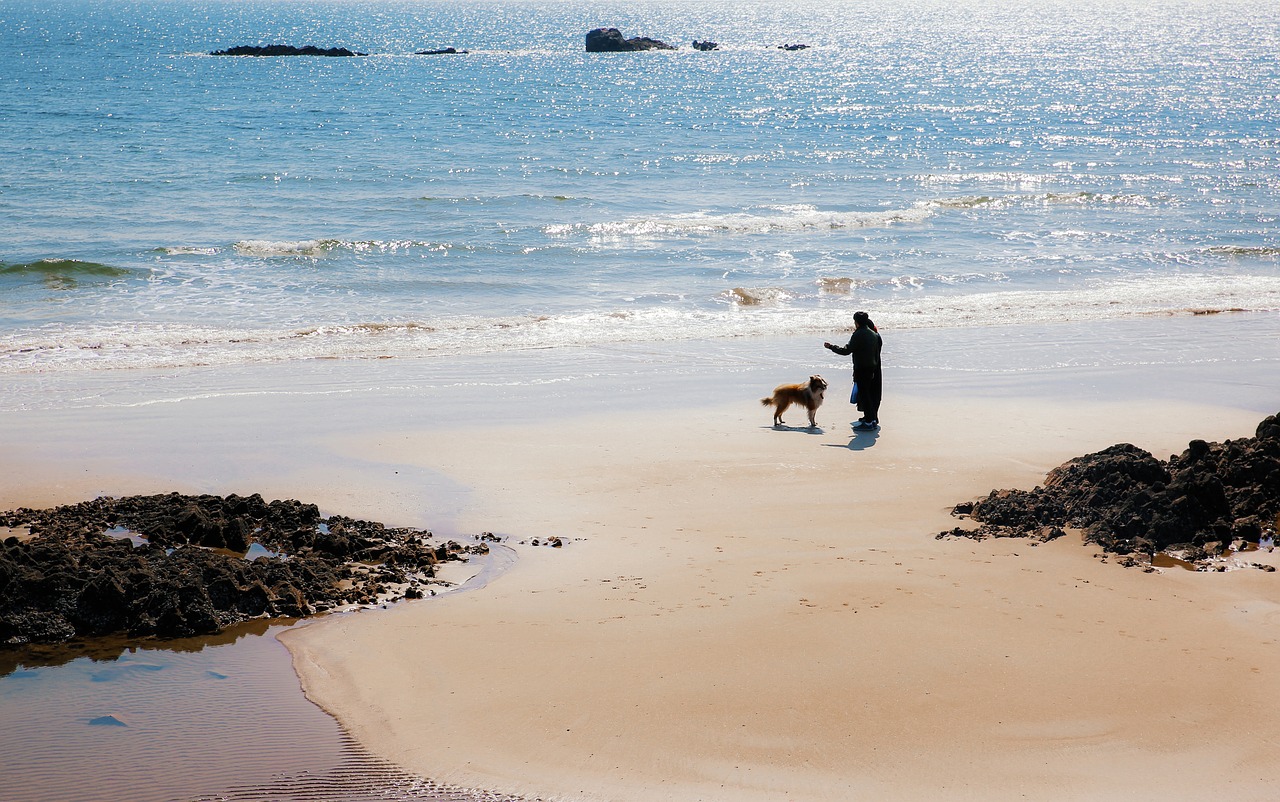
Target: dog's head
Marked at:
817, 384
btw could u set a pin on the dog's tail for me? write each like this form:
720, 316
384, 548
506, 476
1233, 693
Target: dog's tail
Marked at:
766, 402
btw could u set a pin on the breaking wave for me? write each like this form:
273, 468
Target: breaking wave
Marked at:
319, 248
189, 250
750, 312
755, 296
1244, 250
1034, 199
795, 218
841, 285
63, 268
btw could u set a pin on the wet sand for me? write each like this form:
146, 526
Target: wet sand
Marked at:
743, 612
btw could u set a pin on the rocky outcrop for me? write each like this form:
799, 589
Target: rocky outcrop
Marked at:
708, 45
444, 51
174, 565
610, 40
284, 50
793, 48
1129, 502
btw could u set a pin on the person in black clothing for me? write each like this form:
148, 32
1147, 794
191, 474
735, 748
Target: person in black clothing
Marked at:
864, 348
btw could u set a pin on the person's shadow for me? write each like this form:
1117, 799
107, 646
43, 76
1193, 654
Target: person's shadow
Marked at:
861, 440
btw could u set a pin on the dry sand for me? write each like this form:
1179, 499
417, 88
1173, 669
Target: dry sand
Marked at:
744, 613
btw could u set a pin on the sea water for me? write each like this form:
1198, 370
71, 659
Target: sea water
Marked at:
937, 164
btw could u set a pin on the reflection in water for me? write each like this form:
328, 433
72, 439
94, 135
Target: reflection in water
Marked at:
112, 720
1197, 559
121, 533
255, 551
213, 719
110, 648
1162, 560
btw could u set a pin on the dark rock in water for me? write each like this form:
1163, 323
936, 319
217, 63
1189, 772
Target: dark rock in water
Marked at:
793, 48
708, 45
444, 51
284, 50
610, 40
1127, 501
190, 576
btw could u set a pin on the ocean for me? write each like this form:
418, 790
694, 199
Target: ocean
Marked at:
937, 164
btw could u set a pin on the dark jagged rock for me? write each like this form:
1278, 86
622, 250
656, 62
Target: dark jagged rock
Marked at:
1129, 502
610, 40
285, 50
708, 45
76, 575
793, 48
444, 51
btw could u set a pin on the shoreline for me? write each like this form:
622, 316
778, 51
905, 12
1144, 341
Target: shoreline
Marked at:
742, 611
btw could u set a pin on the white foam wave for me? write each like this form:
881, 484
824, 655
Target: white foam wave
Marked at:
56, 348
1081, 198
1019, 179
965, 202
1262, 251
756, 296
319, 248
841, 285
189, 250
311, 248
782, 219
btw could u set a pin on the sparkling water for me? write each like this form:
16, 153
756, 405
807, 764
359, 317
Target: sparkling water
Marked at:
938, 164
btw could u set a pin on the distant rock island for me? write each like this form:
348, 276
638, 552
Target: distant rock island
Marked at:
599, 40
610, 40
285, 50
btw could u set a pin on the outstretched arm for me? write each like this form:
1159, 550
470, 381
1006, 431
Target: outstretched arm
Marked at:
842, 350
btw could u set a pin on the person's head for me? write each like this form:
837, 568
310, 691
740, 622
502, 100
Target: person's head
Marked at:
862, 320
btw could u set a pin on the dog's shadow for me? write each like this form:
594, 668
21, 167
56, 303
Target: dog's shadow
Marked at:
782, 427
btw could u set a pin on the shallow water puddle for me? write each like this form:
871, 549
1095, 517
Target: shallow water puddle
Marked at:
255, 550
112, 720
120, 533
1162, 560
217, 719
1221, 562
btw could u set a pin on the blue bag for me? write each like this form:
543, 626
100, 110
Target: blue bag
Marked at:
853, 396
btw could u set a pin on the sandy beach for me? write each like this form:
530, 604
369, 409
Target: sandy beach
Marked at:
746, 612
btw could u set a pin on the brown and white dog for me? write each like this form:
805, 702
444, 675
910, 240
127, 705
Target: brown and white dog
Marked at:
808, 395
